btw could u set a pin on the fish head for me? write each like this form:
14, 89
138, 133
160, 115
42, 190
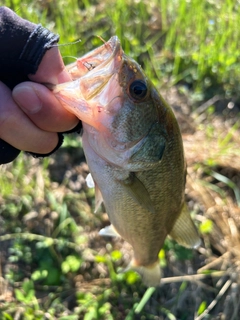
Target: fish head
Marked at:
124, 117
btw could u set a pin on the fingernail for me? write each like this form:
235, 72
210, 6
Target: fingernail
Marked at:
26, 97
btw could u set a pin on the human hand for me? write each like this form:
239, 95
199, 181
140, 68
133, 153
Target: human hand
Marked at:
30, 115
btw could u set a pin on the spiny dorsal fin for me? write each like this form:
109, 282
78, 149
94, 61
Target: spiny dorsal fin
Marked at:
98, 196
138, 192
184, 230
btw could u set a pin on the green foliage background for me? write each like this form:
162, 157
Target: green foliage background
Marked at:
53, 264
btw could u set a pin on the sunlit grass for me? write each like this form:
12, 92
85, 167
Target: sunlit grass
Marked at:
192, 41
203, 41
49, 219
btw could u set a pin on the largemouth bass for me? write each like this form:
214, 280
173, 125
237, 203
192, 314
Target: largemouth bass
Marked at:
134, 150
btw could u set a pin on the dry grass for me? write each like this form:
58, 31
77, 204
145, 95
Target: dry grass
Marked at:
212, 150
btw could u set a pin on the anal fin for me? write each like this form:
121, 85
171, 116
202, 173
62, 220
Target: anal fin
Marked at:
184, 230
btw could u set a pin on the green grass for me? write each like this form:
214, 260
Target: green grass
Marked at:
204, 43
54, 265
190, 42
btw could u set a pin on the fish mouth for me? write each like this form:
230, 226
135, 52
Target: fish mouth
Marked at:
97, 58
104, 62
91, 75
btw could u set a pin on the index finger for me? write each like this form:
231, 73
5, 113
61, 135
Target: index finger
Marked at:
43, 108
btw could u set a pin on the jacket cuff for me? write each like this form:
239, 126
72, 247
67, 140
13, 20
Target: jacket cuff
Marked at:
38, 43
7, 152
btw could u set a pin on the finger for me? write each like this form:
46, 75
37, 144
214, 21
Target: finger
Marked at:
42, 108
19, 131
51, 69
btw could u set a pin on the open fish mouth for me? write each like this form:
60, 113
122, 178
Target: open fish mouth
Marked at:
92, 75
97, 58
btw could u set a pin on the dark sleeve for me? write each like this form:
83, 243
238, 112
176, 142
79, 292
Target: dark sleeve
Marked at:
22, 47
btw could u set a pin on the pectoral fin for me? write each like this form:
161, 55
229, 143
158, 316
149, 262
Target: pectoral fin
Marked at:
89, 181
184, 230
136, 189
109, 231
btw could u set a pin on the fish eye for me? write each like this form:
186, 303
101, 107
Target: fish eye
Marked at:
138, 89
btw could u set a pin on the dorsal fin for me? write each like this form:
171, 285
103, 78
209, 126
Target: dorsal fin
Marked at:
98, 198
98, 195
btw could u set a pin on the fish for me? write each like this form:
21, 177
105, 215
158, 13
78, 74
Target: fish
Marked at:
134, 150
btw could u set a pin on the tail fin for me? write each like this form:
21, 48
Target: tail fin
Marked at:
151, 275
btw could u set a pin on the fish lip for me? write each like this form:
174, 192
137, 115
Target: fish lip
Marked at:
110, 50
106, 62
115, 47
115, 44
114, 53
